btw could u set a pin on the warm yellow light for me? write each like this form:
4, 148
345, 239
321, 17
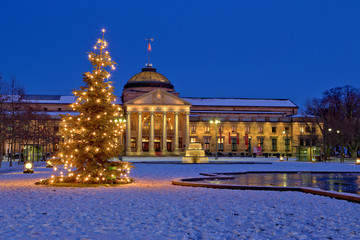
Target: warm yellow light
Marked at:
103, 30
28, 165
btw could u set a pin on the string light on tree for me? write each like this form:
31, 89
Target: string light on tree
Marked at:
91, 138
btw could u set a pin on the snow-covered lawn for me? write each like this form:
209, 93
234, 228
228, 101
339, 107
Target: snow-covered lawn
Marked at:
152, 208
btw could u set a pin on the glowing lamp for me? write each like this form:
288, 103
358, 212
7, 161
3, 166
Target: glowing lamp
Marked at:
28, 167
49, 164
313, 160
281, 158
357, 161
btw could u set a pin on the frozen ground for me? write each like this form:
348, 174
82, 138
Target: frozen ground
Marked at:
152, 208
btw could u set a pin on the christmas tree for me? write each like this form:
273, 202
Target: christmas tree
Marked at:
91, 139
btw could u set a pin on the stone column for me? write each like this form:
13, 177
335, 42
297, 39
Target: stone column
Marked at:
187, 130
151, 139
176, 138
139, 137
164, 146
128, 133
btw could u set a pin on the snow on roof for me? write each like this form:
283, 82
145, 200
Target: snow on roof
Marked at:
237, 112
59, 99
302, 116
246, 102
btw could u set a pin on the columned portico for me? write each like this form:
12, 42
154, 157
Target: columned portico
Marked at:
151, 140
176, 137
187, 130
164, 138
162, 119
139, 138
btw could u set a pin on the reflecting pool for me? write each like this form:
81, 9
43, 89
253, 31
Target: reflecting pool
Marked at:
339, 182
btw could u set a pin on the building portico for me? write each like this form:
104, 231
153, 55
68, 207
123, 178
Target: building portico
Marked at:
158, 123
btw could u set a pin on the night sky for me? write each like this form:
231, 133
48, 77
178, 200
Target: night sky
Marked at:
242, 49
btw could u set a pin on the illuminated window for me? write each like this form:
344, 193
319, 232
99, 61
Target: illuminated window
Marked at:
221, 144
247, 129
233, 129
301, 129
193, 129
193, 139
220, 129
207, 129
207, 143
261, 143
261, 130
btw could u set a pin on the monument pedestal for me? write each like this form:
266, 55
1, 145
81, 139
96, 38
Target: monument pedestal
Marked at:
195, 154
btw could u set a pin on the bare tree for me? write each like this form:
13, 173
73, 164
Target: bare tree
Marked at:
337, 114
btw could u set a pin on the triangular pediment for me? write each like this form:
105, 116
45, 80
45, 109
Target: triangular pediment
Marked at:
158, 97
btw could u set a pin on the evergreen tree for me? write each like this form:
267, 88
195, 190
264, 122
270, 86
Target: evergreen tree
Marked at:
92, 136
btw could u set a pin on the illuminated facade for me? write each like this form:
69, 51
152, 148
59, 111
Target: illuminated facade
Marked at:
159, 122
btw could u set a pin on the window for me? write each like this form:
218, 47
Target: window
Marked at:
220, 129
307, 129
261, 130
301, 129
59, 109
193, 139
247, 129
207, 143
45, 109
193, 129
261, 143
301, 142
307, 142
233, 129
286, 129
133, 142
287, 144
233, 144
180, 143
207, 129
273, 144
56, 128
221, 144
273, 129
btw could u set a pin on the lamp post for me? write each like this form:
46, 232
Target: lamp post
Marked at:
216, 122
287, 136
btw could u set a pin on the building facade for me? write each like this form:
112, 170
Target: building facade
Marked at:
161, 123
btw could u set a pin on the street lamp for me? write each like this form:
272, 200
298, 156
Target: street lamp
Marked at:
285, 132
216, 122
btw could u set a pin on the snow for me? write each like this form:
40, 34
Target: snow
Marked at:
68, 99
152, 208
240, 102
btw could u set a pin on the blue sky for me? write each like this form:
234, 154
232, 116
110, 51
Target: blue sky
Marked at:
242, 49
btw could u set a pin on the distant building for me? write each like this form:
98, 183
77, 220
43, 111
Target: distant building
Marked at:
160, 122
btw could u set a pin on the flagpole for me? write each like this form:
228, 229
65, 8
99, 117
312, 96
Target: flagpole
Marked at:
149, 49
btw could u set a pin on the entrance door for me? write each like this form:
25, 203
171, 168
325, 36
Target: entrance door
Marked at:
169, 146
145, 146
157, 146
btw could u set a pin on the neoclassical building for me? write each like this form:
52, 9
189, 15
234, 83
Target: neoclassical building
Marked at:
162, 123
